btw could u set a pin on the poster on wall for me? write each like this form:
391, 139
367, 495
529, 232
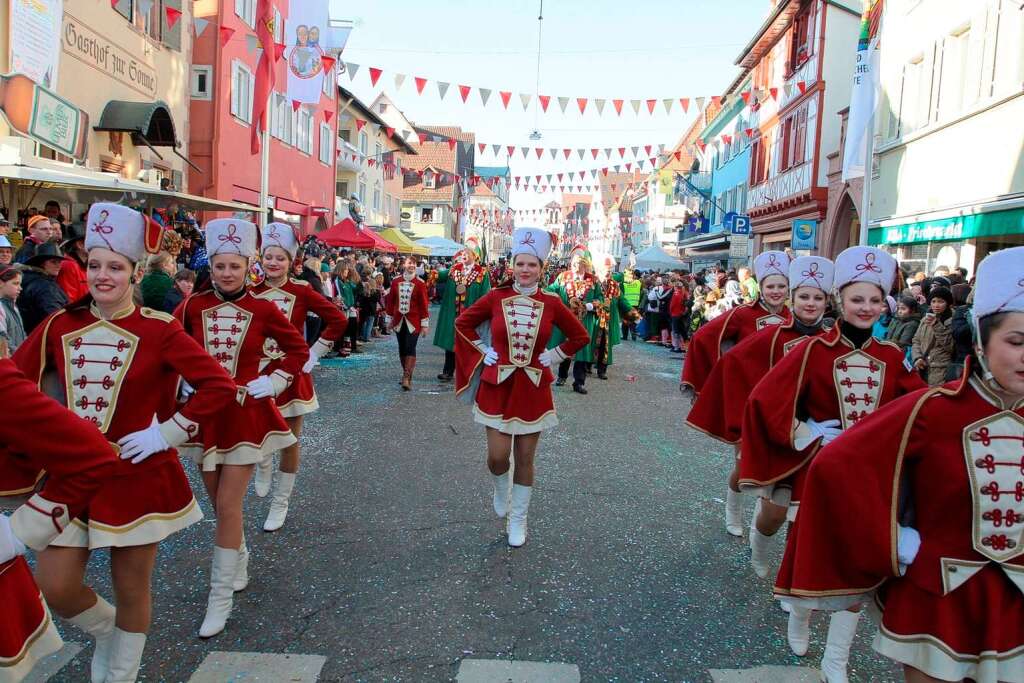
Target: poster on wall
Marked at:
35, 39
306, 32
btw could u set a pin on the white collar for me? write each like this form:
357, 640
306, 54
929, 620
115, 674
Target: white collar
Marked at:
528, 291
407, 277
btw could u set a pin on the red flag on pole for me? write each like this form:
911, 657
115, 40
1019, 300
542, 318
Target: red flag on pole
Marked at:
264, 81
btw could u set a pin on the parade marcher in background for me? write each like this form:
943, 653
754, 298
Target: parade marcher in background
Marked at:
632, 288
40, 294
294, 298
611, 311
581, 292
920, 508
40, 232
118, 365
465, 282
71, 277
233, 325
508, 377
823, 387
12, 329
932, 348
408, 314
713, 340
718, 410
42, 435
678, 310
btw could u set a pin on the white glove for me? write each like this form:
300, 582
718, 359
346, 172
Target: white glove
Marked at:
907, 544
826, 431
261, 387
545, 358
590, 307
10, 545
490, 356
314, 360
186, 391
139, 445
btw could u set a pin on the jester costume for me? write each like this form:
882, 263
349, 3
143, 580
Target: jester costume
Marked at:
466, 281
610, 315
577, 292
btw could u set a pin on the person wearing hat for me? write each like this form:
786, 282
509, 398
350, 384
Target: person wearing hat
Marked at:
932, 348
713, 340
920, 508
610, 314
296, 299
71, 277
465, 282
718, 410
116, 364
40, 294
904, 326
6, 251
40, 232
234, 327
408, 314
823, 387
581, 292
40, 434
508, 375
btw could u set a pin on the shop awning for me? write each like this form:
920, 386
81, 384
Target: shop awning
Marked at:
149, 121
988, 224
86, 186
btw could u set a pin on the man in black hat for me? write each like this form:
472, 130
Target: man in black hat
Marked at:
40, 293
72, 278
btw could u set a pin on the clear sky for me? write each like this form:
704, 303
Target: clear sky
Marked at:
627, 49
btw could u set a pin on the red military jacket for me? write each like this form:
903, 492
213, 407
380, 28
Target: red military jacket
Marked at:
521, 326
295, 298
234, 332
120, 373
715, 338
37, 433
407, 304
956, 454
718, 410
825, 378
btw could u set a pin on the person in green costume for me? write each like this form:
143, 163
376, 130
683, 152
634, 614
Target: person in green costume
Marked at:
581, 292
611, 314
466, 281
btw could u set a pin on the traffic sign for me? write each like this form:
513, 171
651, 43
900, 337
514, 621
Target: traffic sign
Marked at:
740, 224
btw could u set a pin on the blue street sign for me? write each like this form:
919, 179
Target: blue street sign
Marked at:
740, 224
727, 219
805, 233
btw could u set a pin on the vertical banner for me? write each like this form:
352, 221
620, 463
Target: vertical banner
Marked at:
35, 39
304, 35
864, 98
666, 181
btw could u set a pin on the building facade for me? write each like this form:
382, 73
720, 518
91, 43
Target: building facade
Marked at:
489, 202
435, 196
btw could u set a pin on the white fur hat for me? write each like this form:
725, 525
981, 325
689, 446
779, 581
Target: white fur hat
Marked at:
812, 271
280, 235
231, 236
771, 263
865, 264
122, 230
999, 283
534, 241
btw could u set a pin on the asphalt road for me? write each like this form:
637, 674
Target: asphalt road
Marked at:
393, 567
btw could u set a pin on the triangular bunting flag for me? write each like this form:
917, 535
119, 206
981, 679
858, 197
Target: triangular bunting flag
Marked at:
562, 102
746, 96
374, 75
684, 102
678, 155
544, 99
406, 134
622, 152
464, 92
485, 94
553, 152
390, 132
618, 106
198, 25
802, 86
442, 89
668, 105
774, 92
495, 149
225, 34
647, 149
634, 150
593, 151
636, 106
451, 144
467, 147
511, 150
328, 114
600, 106
399, 80
716, 100
295, 105
650, 106
173, 14
352, 68
566, 152
481, 146
525, 99
420, 83
423, 137
359, 124
328, 62
539, 151
581, 102
505, 97
580, 152
700, 103
525, 151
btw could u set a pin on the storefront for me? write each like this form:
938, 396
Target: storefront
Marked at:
952, 240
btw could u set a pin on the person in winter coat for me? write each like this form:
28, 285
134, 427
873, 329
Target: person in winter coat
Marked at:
932, 349
40, 294
12, 330
679, 310
184, 285
652, 309
158, 280
904, 326
963, 331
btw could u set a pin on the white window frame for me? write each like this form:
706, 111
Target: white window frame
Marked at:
429, 179
328, 79
304, 130
362, 192
376, 197
378, 152
326, 146
194, 90
237, 67
364, 143
246, 11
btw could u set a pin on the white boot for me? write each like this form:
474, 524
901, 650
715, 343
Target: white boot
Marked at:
98, 621
264, 476
798, 630
125, 656
759, 544
222, 578
279, 502
517, 514
501, 494
242, 572
841, 629
733, 512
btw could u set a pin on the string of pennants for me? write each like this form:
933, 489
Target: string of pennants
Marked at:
753, 96
503, 222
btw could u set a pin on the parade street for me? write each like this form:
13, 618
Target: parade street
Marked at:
393, 567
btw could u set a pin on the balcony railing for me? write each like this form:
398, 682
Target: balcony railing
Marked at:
345, 161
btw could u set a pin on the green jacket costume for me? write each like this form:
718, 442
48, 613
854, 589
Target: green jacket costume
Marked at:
475, 283
576, 294
616, 307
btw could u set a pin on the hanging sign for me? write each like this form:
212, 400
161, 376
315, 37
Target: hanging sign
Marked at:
40, 114
35, 39
739, 246
804, 233
307, 21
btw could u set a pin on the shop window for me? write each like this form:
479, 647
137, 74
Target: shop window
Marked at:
202, 82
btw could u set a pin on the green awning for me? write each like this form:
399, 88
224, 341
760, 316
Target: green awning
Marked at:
150, 120
991, 224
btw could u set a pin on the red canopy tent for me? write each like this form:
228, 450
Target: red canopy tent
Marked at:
346, 233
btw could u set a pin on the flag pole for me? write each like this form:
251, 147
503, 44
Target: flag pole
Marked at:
865, 197
265, 164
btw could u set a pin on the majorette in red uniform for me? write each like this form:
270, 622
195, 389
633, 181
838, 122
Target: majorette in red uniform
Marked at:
37, 433
508, 377
295, 298
718, 410
713, 340
233, 326
826, 385
407, 309
117, 366
923, 506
